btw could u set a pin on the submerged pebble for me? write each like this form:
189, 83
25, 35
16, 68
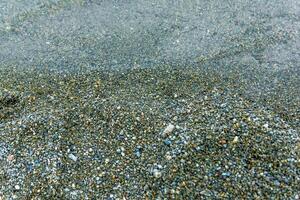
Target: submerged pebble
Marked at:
168, 130
72, 157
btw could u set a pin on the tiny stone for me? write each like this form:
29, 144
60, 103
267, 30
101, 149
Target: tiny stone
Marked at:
10, 157
236, 139
266, 126
222, 141
168, 157
157, 173
277, 183
137, 153
167, 142
225, 174
169, 129
17, 187
72, 157
73, 193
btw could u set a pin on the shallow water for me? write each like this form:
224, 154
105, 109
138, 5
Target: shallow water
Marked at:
71, 34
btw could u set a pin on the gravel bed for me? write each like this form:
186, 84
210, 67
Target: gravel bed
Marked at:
159, 133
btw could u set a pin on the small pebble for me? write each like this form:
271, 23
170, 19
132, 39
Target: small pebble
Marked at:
157, 173
17, 187
266, 126
235, 140
137, 154
10, 157
167, 142
73, 157
168, 130
222, 141
226, 174
277, 183
168, 156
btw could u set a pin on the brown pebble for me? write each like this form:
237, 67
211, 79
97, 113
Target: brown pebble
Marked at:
222, 141
10, 157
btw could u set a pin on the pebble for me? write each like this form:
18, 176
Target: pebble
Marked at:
226, 174
235, 140
222, 141
277, 183
168, 130
73, 157
10, 157
168, 157
167, 142
157, 173
266, 126
138, 151
121, 151
17, 187
73, 193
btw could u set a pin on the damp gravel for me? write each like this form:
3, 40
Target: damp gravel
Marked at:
146, 133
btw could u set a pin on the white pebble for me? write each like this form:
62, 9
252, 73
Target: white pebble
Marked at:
169, 129
17, 187
168, 156
266, 126
72, 157
236, 139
